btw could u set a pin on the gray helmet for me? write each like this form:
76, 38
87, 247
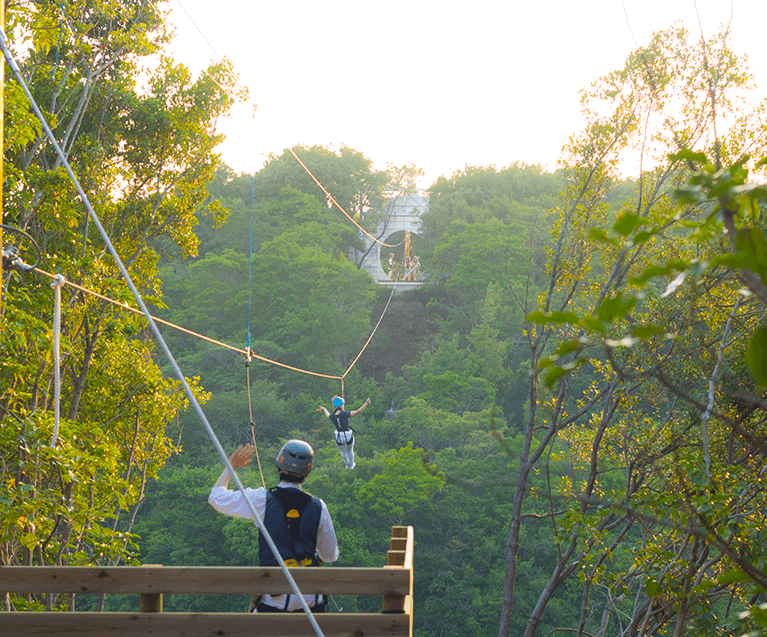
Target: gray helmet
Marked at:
296, 456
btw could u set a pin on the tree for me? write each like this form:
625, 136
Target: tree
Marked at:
144, 158
403, 484
487, 226
346, 175
654, 360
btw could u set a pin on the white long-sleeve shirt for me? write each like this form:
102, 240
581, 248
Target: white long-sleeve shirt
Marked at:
233, 504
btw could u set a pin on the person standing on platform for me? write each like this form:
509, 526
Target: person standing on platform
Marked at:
298, 523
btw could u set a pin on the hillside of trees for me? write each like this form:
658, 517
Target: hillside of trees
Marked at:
570, 411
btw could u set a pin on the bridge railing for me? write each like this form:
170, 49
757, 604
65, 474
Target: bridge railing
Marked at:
393, 582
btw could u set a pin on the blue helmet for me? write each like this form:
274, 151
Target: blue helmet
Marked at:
337, 401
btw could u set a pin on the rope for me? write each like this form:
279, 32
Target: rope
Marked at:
163, 345
292, 152
186, 331
250, 261
246, 353
354, 362
329, 196
56, 285
252, 424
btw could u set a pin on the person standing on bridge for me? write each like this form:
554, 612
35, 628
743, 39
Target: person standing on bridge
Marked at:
299, 523
344, 433
415, 268
392, 266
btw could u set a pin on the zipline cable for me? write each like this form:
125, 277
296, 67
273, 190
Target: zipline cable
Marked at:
213, 341
163, 345
354, 362
252, 424
250, 261
246, 353
268, 123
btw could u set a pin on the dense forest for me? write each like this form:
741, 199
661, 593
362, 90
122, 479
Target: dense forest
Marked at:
570, 411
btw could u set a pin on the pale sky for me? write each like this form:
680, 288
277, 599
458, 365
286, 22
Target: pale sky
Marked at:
440, 84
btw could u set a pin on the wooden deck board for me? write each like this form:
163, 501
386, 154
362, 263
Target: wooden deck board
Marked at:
212, 580
203, 624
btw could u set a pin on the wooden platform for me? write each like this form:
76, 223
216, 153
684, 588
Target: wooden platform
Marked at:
393, 582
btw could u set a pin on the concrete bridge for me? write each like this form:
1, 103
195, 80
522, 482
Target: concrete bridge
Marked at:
402, 213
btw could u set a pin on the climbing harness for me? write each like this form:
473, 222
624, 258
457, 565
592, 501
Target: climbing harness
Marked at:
284, 511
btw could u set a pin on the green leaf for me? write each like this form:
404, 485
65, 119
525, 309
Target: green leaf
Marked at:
627, 223
689, 155
736, 575
567, 347
691, 195
598, 234
594, 324
756, 356
644, 236
647, 331
538, 317
650, 272
553, 375
614, 308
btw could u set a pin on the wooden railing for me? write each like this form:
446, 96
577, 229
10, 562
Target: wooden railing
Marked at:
393, 582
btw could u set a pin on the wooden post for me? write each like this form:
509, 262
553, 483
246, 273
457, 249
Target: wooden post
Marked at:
149, 603
400, 555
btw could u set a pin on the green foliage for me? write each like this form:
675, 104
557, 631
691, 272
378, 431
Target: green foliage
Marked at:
487, 228
635, 338
403, 484
569, 413
346, 174
143, 156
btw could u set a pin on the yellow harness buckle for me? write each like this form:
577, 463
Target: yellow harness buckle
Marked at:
291, 563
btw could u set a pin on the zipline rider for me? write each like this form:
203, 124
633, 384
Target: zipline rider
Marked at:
343, 431
299, 524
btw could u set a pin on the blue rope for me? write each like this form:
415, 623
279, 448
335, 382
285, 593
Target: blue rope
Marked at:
250, 264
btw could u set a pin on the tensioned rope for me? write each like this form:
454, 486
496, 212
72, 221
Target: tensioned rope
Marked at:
370, 338
125, 306
56, 285
163, 345
247, 353
292, 152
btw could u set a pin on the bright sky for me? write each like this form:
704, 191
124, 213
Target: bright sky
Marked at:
440, 84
